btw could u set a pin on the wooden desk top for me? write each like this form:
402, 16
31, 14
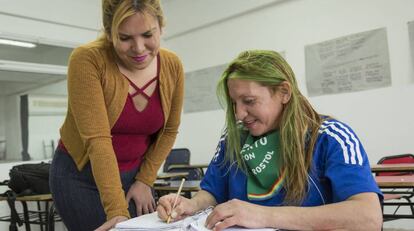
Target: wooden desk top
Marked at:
189, 186
168, 175
187, 166
40, 197
392, 168
395, 181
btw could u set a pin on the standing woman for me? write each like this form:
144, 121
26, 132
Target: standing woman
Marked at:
125, 101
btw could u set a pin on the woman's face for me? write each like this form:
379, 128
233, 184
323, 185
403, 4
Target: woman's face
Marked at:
256, 106
139, 41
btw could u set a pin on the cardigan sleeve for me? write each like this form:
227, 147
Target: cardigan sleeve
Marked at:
87, 104
159, 150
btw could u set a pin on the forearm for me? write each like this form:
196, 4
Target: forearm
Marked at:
347, 215
203, 200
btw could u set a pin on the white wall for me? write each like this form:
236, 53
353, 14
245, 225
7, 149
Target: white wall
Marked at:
2, 117
56, 22
382, 118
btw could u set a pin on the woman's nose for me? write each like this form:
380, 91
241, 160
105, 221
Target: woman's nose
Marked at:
139, 45
240, 113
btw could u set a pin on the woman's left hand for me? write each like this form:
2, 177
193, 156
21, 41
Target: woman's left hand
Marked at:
142, 196
235, 212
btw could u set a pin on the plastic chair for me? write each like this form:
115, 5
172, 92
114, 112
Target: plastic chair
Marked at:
395, 194
177, 156
396, 159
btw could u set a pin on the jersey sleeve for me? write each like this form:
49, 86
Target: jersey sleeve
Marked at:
346, 163
216, 178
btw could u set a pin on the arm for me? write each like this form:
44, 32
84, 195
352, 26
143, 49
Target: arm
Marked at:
362, 209
140, 191
184, 207
88, 108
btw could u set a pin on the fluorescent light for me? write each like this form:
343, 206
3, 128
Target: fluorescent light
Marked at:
7, 65
17, 43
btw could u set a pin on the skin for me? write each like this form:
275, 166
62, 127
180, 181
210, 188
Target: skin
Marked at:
137, 49
260, 108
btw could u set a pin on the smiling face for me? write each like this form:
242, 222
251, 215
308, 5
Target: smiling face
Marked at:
259, 108
139, 41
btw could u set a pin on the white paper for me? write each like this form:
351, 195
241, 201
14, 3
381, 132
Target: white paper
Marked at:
150, 222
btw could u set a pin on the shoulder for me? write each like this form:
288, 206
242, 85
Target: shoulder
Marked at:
338, 137
95, 50
336, 131
170, 59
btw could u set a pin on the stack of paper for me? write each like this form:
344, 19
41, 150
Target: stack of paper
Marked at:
151, 222
147, 222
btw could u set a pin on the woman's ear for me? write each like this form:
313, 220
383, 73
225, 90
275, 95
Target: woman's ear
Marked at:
285, 90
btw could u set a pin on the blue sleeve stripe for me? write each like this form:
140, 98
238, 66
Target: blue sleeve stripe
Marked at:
333, 129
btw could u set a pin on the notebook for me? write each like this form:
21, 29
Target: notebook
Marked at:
151, 222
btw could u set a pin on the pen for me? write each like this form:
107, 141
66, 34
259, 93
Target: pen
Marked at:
176, 198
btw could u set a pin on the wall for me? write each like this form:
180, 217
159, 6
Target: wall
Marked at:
382, 118
57, 22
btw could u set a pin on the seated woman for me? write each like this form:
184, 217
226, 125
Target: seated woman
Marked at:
279, 163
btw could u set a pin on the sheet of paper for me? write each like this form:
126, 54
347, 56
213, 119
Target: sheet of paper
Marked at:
147, 222
151, 222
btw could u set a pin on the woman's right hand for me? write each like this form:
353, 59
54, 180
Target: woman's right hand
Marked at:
184, 207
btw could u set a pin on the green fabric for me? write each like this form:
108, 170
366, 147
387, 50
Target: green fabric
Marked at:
262, 157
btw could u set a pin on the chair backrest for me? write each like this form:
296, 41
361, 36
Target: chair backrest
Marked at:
177, 156
396, 159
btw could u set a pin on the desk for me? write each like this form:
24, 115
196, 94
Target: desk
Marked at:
41, 217
189, 186
168, 175
172, 187
397, 187
202, 166
406, 181
392, 168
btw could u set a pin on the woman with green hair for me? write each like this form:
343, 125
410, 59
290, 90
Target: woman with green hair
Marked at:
279, 163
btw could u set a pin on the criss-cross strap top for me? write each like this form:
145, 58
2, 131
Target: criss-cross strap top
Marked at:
141, 90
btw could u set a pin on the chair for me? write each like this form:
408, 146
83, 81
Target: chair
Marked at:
396, 159
177, 156
179, 161
394, 193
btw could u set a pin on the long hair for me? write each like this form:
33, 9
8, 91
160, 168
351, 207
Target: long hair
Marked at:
298, 126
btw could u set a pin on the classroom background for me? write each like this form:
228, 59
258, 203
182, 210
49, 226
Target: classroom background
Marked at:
207, 34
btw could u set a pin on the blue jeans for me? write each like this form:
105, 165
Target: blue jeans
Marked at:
76, 196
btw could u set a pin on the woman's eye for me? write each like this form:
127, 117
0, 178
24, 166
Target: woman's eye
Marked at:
123, 38
147, 35
249, 101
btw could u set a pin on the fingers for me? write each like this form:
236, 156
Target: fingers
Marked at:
165, 208
111, 223
227, 222
218, 216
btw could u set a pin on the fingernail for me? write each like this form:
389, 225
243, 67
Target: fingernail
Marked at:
173, 214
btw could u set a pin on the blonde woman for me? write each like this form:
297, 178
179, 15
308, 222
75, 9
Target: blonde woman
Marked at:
125, 101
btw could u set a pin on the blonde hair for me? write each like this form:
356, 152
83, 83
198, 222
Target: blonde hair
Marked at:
298, 126
114, 12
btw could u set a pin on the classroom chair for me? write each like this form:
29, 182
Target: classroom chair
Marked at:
396, 198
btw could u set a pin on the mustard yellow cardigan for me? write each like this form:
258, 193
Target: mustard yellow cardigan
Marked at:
97, 92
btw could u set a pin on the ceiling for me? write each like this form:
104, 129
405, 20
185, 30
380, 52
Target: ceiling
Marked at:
32, 67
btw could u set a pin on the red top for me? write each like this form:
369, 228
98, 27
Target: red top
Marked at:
134, 130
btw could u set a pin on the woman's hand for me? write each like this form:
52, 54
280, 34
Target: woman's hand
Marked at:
184, 207
235, 212
142, 196
111, 223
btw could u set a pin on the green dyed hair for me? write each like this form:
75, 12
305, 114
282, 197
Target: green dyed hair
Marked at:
298, 126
